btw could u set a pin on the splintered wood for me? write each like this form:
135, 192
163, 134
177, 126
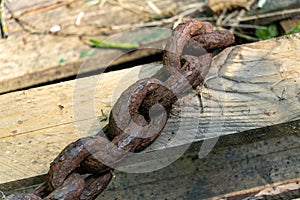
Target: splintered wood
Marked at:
272, 191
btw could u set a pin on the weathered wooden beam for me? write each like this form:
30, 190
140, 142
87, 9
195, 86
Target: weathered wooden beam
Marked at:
251, 159
31, 55
249, 86
238, 162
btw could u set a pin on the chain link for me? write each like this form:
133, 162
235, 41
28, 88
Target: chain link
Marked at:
85, 167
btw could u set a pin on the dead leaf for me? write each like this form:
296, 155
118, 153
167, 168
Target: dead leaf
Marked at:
219, 5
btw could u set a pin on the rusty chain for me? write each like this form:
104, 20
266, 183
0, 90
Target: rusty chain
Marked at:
84, 168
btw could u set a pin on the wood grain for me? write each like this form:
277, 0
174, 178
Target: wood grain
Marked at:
253, 159
228, 168
34, 56
238, 96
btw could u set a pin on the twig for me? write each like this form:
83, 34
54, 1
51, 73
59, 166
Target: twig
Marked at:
153, 7
230, 16
237, 21
160, 22
131, 7
23, 24
244, 26
273, 14
221, 17
46, 7
247, 37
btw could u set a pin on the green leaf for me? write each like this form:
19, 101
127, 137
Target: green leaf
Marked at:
118, 45
262, 34
268, 32
272, 29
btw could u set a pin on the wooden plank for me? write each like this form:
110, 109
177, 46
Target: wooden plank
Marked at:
225, 169
37, 123
289, 25
235, 164
43, 65
238, 162
33, 55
